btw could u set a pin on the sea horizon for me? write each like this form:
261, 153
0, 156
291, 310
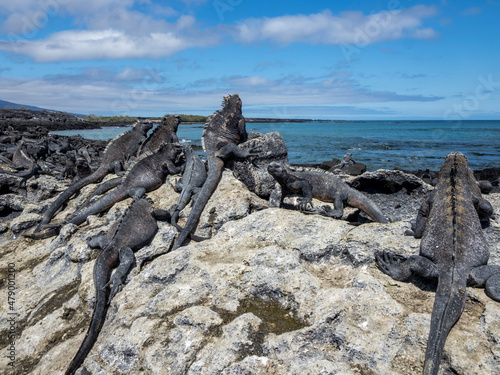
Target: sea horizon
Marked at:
387, 144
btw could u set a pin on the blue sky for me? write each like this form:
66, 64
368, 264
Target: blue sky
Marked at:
287, 59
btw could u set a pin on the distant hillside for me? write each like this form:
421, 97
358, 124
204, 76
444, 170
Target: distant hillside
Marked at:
9, 105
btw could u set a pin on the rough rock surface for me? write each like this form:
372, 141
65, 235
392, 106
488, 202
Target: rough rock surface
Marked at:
273, 291
253, 172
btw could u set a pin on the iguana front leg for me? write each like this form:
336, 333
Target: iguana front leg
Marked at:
172, 169
232, 150
422, 217
401, 268
116, 167
306, 191
338, 204
487, 277
136, 193
127, 258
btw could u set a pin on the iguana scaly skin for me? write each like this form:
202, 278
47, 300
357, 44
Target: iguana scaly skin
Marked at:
453, 249
224, 130
192, 180
136, 229
147, 174
166, 132
326, 187
21, 159
117, 152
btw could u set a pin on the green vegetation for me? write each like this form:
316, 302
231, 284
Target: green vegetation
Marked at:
193, 118
111, 118
128, 119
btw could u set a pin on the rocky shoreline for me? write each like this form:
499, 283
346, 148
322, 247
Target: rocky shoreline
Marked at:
24, 119
273, 291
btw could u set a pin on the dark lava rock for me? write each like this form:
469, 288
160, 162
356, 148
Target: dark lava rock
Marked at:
354, 169
398, 194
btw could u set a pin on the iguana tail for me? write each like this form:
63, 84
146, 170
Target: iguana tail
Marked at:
215, 167
448, 306
105, 202
102, 271
101, 189
182, 202
356, 199
97, 176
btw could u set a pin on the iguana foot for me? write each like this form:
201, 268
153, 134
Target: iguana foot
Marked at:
304, 203
117, 282
492, 287
409, 232
253, 151
487, 277
392, 264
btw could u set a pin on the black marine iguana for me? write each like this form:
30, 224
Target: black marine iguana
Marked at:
147, 174
117, 152
311, 183
136, 229
224, 130
190, 184
166, 132
453, 249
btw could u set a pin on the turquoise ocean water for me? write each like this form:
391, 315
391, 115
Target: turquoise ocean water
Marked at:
378, 144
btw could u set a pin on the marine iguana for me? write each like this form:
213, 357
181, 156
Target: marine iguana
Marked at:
224, 130
190, 184
147, 174
346, 160
166, 132
21, 159
135, 230
312, 183
453, 249
116, 153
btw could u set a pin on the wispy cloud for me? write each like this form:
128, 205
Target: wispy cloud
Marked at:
346, 28
131, 91
79, 45
472, 11
115, 31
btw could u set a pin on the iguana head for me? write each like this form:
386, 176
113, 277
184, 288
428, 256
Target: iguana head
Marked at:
142, 126
232, 102
455, 164
171, 150
277, 169
171, 121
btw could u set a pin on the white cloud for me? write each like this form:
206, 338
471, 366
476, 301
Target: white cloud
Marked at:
114, 30
346, 28
103, 44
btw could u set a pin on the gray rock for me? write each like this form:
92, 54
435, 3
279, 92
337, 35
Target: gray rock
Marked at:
272, 292
253, 173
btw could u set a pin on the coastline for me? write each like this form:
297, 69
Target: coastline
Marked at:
22, 120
